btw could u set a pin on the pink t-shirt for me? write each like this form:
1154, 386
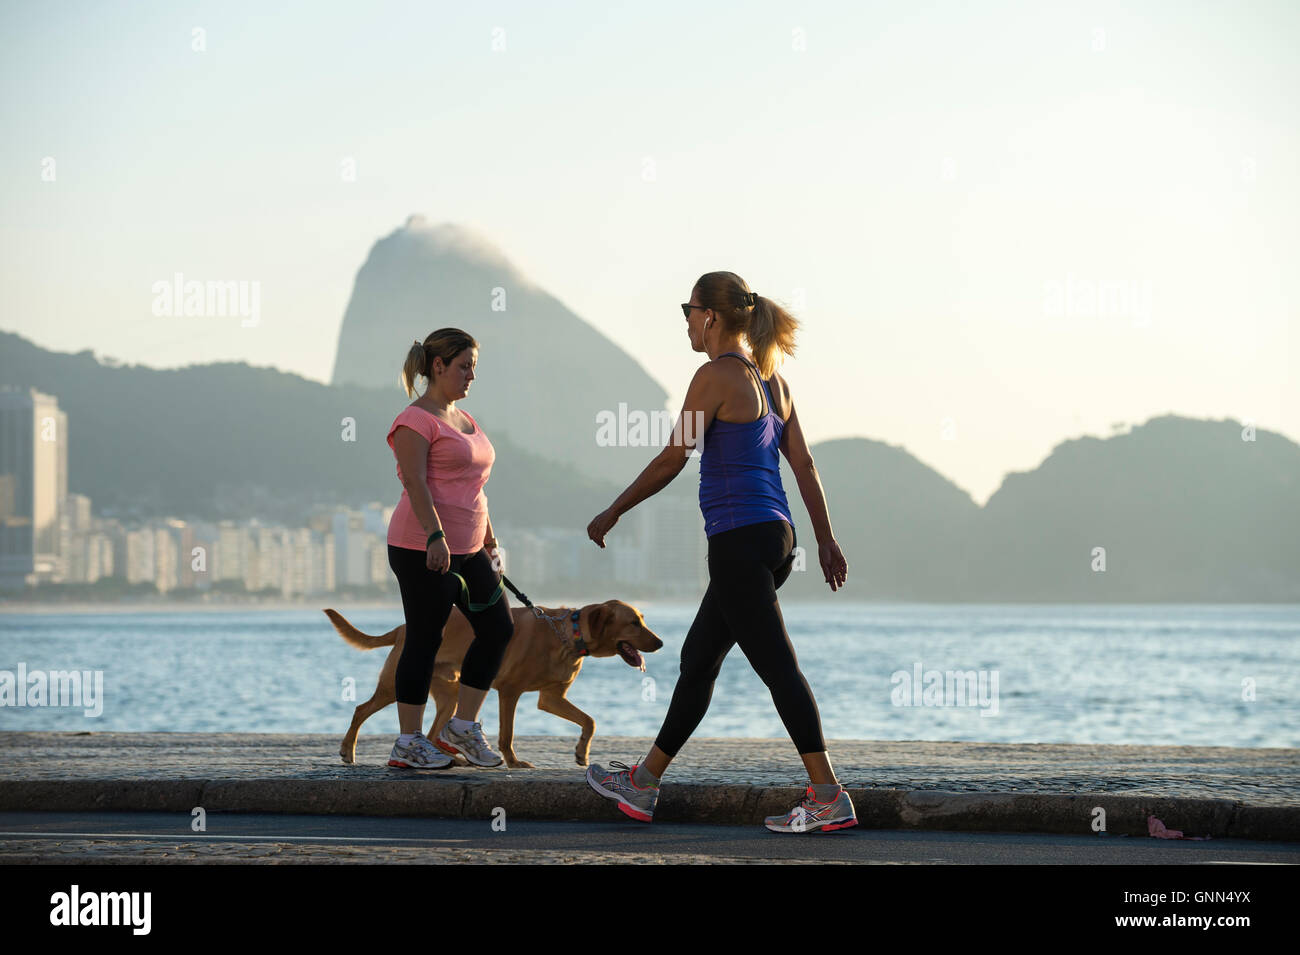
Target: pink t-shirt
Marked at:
457, 468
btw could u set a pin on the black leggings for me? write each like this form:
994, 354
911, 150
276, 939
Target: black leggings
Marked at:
746, 566
427, 598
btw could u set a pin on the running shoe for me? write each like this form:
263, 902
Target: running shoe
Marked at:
469, 744
632, 799
419, 754
810, 814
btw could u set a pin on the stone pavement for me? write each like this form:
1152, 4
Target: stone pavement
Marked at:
1042, 787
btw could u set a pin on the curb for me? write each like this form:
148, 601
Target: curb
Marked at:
1062, 813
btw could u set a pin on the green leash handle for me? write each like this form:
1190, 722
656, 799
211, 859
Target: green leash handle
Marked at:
473, 607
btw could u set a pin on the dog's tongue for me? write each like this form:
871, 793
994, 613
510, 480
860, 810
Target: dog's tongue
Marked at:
631, 655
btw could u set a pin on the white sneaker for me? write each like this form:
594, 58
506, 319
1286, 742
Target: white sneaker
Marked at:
419, 754
469, 744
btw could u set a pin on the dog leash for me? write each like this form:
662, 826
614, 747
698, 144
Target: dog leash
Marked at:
476, 608
579, 645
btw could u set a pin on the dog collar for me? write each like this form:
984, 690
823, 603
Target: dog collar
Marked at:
578, 643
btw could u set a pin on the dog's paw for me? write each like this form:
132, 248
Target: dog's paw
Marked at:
348, 758
519, 764
580, 758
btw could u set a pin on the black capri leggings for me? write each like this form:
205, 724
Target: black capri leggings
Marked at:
427, 598
746, 566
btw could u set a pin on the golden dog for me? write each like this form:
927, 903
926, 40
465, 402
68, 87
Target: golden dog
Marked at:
540, 656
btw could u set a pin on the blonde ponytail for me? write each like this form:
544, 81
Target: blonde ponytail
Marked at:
416, 366
771, 334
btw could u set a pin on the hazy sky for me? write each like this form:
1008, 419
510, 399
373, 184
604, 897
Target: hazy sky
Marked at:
935, 185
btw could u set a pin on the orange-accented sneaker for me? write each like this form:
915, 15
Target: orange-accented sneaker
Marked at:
612, 784
811, 815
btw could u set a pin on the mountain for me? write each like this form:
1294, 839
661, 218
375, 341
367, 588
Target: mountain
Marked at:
543, 373
1184, 509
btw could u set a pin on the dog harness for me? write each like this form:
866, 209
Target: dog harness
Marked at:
579, 645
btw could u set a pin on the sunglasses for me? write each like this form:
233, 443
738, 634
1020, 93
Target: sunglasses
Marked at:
687, 306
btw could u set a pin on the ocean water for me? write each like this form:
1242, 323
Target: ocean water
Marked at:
1206, 675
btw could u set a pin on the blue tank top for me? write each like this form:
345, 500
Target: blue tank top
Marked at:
740, 478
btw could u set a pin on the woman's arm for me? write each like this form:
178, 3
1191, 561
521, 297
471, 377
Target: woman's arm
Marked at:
699, 407
796, 451
412, 452
490, 544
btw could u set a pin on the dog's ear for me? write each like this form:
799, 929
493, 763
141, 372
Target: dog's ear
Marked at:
595, 620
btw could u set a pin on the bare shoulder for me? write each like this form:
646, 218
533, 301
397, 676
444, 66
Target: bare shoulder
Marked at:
707, 373
781, 394
730, 371
782, 385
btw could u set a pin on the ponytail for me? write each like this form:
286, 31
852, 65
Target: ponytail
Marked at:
416, 365
770, 331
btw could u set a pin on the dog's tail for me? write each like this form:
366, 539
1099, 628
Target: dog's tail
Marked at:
362, 641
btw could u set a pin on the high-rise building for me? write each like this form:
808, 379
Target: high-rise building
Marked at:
234, 544
351, 548
182, 535
78, 513
33, 485
78, 551
141, 563
166, 550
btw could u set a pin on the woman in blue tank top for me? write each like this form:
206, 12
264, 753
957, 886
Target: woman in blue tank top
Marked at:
746, 416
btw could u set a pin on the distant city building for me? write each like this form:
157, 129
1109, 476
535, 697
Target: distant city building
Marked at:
361, 546
305, 565
166, 558
77, 513
140, 564
87, 554
231, 552
33, 485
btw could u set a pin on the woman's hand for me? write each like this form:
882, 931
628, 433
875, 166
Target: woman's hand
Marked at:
834, 568
600, 525
438, 556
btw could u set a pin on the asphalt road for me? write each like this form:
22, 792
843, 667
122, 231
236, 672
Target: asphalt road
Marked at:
242, 837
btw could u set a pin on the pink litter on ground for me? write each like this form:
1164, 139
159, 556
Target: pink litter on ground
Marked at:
1157, 830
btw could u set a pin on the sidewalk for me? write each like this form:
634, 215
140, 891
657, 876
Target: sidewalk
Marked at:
1045, 787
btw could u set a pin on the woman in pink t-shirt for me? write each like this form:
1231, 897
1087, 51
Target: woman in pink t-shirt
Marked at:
441, 548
